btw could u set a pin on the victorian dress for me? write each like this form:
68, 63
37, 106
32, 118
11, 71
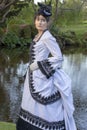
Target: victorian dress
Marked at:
47, 102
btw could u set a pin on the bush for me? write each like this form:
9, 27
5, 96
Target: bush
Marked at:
11, 39
2, 31
15, 28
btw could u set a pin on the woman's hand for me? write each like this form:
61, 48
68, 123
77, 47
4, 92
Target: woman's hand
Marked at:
33, 66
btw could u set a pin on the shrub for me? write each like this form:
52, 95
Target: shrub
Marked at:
11, 39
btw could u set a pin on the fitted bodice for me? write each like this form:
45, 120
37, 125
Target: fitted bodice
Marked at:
40, 50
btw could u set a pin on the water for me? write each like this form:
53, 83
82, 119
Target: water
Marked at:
11, 83
76, 66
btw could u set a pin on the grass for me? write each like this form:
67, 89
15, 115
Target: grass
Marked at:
7, 126
75, 34
79, 29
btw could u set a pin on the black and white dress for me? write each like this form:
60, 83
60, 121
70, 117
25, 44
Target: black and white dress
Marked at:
47, 102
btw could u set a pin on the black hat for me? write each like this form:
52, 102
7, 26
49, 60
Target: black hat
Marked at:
44, 10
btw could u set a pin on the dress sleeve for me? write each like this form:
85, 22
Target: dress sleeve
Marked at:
53, 62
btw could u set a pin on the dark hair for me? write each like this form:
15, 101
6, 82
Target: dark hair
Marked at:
44, 10
38, 14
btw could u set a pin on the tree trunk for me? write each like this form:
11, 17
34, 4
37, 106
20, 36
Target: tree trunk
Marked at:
56, 9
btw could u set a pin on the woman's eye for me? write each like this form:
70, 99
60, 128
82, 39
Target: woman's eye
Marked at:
43, 20
37, 19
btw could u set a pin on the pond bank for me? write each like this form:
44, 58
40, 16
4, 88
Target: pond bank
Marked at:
71, 35
68, 35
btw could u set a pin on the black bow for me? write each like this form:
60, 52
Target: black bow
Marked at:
45, 9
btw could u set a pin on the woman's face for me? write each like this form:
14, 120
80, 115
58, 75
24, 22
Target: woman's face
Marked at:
41, 23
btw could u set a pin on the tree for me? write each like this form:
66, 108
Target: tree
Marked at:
66, 8
10, 8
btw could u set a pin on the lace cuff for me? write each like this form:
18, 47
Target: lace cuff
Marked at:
46, 68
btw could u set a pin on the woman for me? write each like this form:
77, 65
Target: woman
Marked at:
47, 102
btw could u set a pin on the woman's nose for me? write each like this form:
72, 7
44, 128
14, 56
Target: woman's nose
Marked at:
40, 22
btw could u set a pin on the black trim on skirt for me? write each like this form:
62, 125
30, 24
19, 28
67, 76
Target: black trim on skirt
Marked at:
23, 125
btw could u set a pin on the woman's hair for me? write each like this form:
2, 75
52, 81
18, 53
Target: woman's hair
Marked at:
38, 14
44, 10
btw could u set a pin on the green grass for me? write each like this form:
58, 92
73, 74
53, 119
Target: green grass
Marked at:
7, 126
75, 34
79, 29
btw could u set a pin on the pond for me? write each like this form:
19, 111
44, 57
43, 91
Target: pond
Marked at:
12, 61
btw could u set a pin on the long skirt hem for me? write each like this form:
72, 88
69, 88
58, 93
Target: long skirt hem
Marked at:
23, 125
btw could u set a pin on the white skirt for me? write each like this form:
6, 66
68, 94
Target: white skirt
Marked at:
57, 114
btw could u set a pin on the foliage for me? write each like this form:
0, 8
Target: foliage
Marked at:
26, 16
19, 29
10, 8
69, 12
71, 35
10, 39
2, 31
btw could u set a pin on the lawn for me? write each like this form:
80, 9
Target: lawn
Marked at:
7, 126
75, 34
79, 29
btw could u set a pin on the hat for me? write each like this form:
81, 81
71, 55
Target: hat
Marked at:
44, 10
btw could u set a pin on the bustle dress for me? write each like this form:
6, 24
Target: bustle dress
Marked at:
47, 102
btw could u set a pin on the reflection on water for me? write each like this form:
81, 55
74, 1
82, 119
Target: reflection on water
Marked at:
11, 84
13, 64
76, 66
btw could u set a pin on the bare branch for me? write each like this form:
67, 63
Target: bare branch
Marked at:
4, 17
56, 9
33, 5
11, 3
5, 8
